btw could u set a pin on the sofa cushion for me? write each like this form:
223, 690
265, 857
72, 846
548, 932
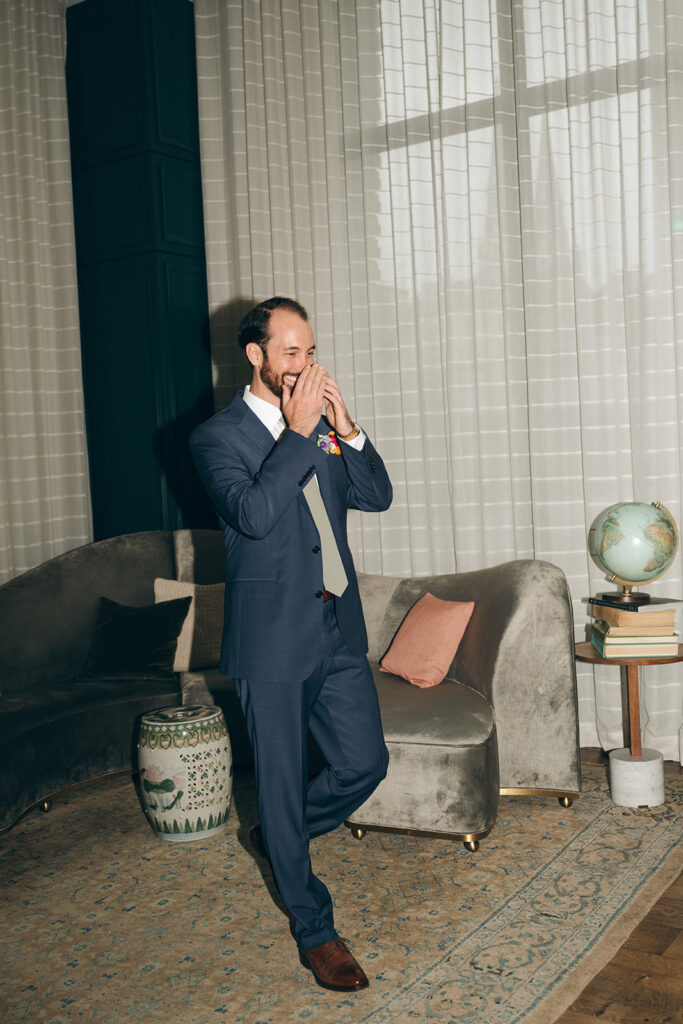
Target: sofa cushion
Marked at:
443, 767
199, 643
426, 642
450, 714
135, 643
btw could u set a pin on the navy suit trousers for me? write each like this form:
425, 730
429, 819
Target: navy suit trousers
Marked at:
338, 703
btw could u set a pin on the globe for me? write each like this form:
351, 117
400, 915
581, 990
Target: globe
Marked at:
634, 543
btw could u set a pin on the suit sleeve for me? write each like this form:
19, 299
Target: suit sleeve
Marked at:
370, 488
252, 504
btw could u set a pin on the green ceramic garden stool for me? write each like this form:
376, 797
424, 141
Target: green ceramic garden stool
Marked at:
185, 765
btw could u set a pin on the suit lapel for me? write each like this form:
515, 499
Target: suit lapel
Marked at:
249, 423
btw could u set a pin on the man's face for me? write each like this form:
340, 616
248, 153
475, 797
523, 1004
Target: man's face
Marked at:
290, 347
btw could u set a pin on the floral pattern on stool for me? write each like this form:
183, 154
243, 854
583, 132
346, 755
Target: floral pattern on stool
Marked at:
185, 765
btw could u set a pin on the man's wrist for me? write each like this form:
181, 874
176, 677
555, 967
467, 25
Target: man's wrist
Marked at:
302, 427
350, 436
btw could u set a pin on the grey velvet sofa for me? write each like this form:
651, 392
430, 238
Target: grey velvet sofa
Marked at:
504, 719
503, 722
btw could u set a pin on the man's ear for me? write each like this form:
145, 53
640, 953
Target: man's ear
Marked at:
254, 354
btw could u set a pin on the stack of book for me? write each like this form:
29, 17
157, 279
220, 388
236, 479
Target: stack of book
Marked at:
635, 631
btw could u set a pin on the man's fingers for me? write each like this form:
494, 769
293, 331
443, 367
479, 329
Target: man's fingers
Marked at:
302, 401
332, 392
310, 381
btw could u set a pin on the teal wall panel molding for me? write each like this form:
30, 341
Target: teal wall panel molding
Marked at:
132, 92
139, 203
132, 78
180, 213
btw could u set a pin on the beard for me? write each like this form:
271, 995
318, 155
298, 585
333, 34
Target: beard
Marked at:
270, 378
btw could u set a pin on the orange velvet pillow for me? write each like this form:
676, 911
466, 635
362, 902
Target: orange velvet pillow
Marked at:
426, 642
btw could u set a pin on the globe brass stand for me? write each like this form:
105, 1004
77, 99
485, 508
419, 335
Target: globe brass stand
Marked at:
625, 596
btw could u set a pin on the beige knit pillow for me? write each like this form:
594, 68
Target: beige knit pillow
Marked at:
199, 643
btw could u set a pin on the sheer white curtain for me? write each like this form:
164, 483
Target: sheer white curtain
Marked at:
481, 204
44, 502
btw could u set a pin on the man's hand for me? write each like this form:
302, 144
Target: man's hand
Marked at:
336, 411
302, 405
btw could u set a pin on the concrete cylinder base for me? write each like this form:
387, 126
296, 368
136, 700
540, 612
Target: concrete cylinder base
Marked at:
636, 781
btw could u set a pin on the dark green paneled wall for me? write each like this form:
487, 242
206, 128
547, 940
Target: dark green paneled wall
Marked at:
132, 94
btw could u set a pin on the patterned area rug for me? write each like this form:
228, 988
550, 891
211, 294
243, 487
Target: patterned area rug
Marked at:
103, 922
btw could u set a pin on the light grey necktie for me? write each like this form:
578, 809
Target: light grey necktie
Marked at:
334, 576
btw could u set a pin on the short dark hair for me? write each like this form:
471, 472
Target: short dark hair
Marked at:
254, 326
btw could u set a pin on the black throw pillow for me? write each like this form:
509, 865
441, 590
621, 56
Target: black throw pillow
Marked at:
135, 643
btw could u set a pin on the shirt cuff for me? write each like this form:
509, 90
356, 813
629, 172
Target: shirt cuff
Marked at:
356, 442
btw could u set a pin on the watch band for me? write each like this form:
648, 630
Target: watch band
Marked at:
349, 437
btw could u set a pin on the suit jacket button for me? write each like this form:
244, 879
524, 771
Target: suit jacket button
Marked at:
318, 593
316, 550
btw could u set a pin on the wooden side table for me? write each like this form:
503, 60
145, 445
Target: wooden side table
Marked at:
636, 775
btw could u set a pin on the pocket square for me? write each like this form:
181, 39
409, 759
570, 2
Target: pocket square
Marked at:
329, 443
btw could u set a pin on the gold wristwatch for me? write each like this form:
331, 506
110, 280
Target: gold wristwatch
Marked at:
349, 437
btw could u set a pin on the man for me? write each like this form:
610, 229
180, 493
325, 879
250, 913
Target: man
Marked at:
281, 477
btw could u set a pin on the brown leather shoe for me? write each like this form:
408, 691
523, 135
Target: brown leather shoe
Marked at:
335, 967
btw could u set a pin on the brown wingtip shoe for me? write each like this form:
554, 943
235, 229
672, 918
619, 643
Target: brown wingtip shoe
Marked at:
335, 967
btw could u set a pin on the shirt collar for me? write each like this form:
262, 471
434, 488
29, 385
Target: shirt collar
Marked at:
271, 417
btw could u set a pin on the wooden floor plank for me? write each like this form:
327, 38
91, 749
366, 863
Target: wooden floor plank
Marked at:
650, 963
650, 937
621, 1013
675, 949
670, 984
677, 888
630, 1007
668, 913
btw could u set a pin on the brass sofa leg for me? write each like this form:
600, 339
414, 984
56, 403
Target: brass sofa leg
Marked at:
45, 805
358, 833
565, 801
472, 845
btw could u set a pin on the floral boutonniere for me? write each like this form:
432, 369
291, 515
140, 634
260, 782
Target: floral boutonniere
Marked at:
329, 443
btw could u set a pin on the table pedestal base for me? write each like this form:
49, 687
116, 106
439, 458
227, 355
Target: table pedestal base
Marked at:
636, 781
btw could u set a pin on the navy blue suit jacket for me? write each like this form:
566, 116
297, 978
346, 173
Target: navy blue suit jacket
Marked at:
273, 627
